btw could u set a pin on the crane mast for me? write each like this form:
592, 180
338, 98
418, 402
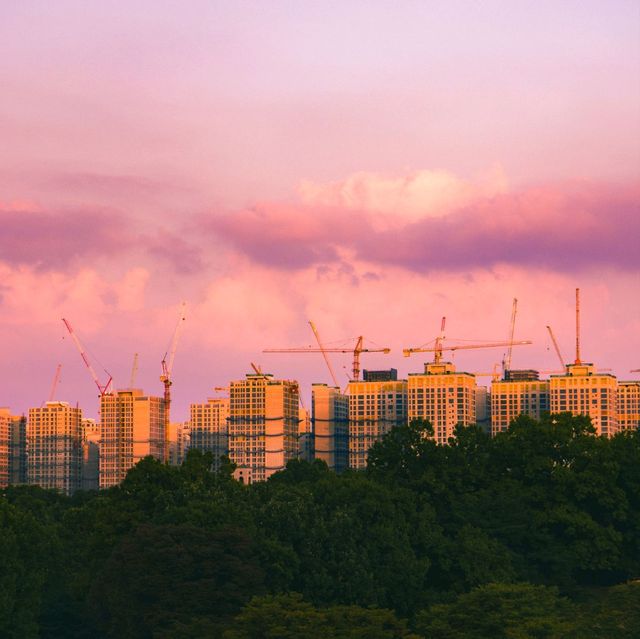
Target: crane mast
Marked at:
578, 361
134, 371
165, 378
512, 327
102, 388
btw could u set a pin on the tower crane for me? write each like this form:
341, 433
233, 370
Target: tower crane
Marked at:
54, 385
165, 378
438, 350
356, 350
506, 365
134, 371
557, 348
103, 388
324, 353
578, 361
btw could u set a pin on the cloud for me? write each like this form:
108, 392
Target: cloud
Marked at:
55, 239
415, 195
566, 227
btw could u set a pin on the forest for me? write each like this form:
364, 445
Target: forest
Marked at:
532, 533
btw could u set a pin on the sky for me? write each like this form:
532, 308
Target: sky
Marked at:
371, 166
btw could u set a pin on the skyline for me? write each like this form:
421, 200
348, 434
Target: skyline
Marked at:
271, 163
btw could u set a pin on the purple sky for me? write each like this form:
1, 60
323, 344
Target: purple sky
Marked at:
368, 165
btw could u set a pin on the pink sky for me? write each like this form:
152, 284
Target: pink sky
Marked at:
372, 166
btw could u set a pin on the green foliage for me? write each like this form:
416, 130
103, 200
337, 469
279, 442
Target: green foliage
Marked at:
290, 617
424, 534
501, 611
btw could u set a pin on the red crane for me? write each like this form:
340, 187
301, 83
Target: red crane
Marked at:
103, 388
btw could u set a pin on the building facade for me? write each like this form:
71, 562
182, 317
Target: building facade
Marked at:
330, 426
583, 391
629, 405
375, 407
263, 425
444, 397
5, 445
521, 394
54, 447
131, 427
90, 454
209, 427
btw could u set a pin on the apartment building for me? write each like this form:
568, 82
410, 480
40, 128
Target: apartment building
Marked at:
522, 392
583, 391
54, 447
330, 426
628, 405
375, 407
263, 425
209, 427
131, 427
442, 396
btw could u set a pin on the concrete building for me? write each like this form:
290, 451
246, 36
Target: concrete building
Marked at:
209, 426
5, 445
375, 407
521, 393
18, 450
179, 441
90, 454
483, 408
583, 391
330, 426
263, 425
305, 436
54, 447
629, 405
444, 397
131, 428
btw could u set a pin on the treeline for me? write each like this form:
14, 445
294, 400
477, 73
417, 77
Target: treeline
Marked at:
533, 533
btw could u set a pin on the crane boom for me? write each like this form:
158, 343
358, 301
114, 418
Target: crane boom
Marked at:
556, 347
102, 388
54, 385
408, 351
512, 328
357, 350
134, 371
324, 353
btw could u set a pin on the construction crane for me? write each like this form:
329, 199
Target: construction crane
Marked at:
578, 361
357, 350
506, 364
54, 384
324, 353
438, 349
557, 348
103, 388
165, 378
134, 371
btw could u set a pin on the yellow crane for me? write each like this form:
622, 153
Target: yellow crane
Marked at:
357, 350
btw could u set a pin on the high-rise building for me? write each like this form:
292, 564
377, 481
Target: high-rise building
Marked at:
5, 445
90, 454
443, 397
521, 393
179, 441
375, 407
18, 450
131, 428
483, 408
305, 437
13, 448
629, 405
54, 447
263, 425
583, 391
209, 426
330, 425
